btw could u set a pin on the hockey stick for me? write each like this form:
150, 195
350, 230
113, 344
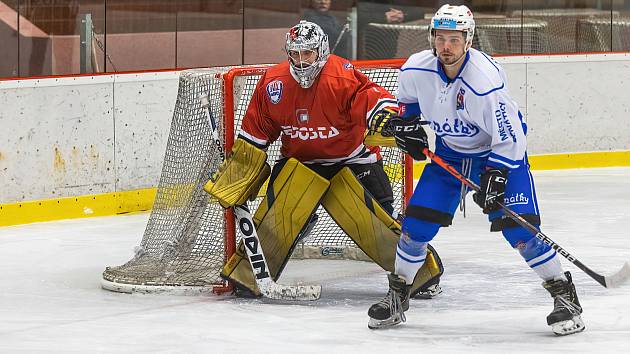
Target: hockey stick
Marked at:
610, 281
255, 255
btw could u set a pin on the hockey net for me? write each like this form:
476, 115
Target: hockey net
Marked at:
189, 235
562, 33
597, 34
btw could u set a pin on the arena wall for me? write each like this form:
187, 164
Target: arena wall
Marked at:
106, 135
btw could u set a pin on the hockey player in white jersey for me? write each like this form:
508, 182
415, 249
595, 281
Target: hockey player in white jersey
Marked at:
461, 93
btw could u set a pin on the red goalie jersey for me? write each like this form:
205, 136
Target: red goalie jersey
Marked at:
325, 123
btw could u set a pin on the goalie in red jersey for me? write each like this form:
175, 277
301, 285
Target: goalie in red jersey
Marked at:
320, 107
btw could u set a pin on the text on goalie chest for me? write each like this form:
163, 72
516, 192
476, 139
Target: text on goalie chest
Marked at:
314, 127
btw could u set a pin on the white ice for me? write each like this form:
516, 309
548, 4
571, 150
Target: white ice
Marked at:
51, 300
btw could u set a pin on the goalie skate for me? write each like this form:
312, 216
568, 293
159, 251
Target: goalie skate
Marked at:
390, 311
428, 293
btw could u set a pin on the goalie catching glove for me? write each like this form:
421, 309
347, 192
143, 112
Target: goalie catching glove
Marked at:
493, 181
409, 134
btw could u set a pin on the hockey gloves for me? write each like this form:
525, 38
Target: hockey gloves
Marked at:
409, 134
493, 181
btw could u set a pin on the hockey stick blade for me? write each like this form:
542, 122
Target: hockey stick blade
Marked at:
256, 257
619, 278
275, 291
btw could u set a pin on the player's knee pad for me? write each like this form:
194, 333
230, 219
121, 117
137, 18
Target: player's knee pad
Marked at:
504, 222
282, 216
541, 258
369, 225
531, 248
516, 235
419, 230
240, 176
422, 224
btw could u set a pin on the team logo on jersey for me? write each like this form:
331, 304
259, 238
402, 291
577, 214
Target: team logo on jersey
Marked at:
347, 66
460, 99
309, 133
301, 115
455, 128
274, 90
515, 199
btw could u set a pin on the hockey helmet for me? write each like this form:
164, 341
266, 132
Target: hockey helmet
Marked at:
306, 37
452, 18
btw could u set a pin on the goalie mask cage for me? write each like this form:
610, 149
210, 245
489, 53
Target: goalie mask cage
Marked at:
189, 235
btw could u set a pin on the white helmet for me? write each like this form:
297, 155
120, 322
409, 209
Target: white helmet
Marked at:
307, 36
453, 18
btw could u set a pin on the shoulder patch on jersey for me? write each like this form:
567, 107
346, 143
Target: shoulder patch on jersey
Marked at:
347, 66
274, 90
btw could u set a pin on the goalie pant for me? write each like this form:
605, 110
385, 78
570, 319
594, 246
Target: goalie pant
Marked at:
438, 194
371, 175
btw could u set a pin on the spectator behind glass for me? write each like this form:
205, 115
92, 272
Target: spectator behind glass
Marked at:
339, 39
389, 12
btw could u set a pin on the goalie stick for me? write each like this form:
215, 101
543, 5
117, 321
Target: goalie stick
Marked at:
255, 255
610, 281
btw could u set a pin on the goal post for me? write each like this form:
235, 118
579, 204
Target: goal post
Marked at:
189, 235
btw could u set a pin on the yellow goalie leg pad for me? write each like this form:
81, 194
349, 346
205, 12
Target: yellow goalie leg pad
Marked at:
240, 176
284, 212
369, 225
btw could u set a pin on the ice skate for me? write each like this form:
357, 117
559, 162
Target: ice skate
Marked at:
391, 310
565, 318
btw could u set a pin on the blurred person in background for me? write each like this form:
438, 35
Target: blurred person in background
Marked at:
383, 43
338, 34
387, 12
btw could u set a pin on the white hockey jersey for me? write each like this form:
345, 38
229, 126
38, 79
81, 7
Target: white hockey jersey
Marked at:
472, 114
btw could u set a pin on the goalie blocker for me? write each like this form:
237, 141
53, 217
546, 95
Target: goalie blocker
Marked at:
240, 176
292, 197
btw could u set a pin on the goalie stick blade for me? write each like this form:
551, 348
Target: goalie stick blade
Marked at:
292, 292
617, 279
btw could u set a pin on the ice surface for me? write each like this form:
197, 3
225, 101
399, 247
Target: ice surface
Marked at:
51, 300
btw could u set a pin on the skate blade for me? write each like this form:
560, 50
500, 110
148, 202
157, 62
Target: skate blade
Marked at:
380, 324
567, 327
430, 293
